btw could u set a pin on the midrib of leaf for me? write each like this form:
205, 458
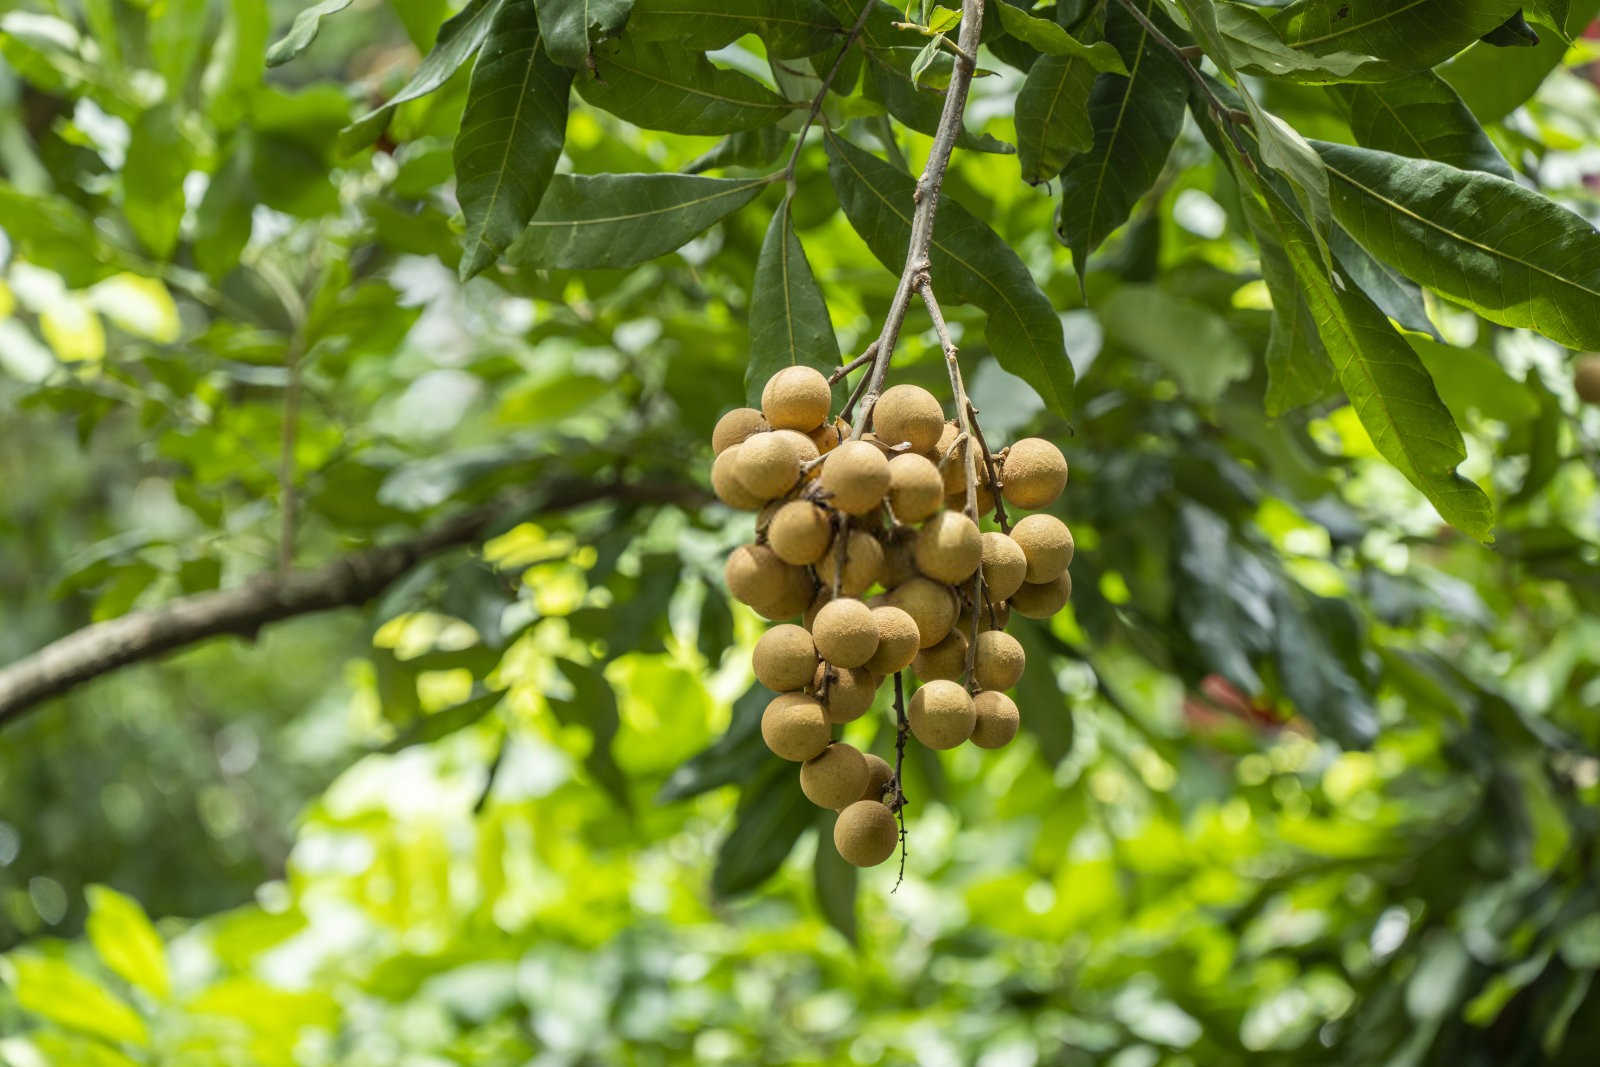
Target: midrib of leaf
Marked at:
782, 105
1116, 129
1421, 148
680, 205
1354, 26
505, 156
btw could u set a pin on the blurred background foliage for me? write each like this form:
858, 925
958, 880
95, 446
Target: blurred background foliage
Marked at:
1305, 777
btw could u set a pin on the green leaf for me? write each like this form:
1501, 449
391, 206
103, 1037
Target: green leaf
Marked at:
1052, 40
971, 264
237, 63
789, 324
619, 220
54, 230
1413, 35
593, 705
733, 757
748, 148
53, 989
1298, 371
772, 815
664, 87
1194, 344
1506, 252
176, 28
152, 180
789, 28
511, 135
1136, 120
444, 723
1052, 117
1291, 155
302, 31
572, 28
1387, 384
1314, 676
834, 880
1420, 116
1397, 296
919, 109
1254, 47
1493, 82
121, 933
226, 212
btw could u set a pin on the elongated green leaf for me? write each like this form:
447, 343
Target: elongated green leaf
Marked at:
772, 815
152, 181
1254, 46
1508, 253
53, 989
1291, 155
593, 705
664, 87
789, 323
919, 108
1397, 296
1420, 116
572, 28
121, 933
618, 220
1298, 370
1387, 385
444, 723
176, 29
789, 28
748, 148
226, 213
970, 264
1493, 82
302, 31
511, 135
1052, 117
834, 880
1136, 120
1411, 34
1052, 40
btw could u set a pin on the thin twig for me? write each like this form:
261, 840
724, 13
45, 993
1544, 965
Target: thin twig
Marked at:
897, 798
848, 411
988, 464
944, 42
1185, 56
827, 83
855, 364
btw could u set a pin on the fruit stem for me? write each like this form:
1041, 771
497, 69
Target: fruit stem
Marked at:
988, 464
855, 364
897, 793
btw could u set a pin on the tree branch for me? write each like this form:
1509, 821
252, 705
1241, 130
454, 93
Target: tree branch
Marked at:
268, 597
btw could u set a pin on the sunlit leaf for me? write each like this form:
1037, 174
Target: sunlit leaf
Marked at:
121, 933
303, 31
55, 990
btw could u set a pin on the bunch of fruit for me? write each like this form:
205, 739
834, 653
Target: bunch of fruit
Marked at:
869, 540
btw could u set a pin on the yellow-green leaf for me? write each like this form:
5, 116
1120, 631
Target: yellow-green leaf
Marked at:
123, 936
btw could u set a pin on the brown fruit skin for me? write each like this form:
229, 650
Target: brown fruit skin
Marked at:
863, 564
796, 398
735, 426
795, 730
908, 414
915, 488
856, 477
948, 547
932, 605
947, 660
809, 617
799, 532
768, 464
1586, 378
995, 617
836, 777
878, 774
941, 714
845, 632
957, 501
1043, 601
899, 561
999, 660
725, 483
897, 640
997, 720
1047, 545
775, 589
851, 691
785, 659
830, 435
1005, 567
1034, 473
951, 464
866, 833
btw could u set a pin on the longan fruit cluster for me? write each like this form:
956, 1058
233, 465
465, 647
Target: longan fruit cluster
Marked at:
864, 538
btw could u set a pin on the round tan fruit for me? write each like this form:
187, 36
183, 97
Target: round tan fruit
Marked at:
948, 547
725, 483
835, 778
796, 398
915, 488
809, 617
804, 446
878, 774
908, 414
1005, 566
1043, 601
897, 640
941, 714
863, 564
799, 532
995, 616
866, 833
768, 464
785, 658
998, 661
983, 499
735, 426
997, 719
856, 477
899, 561
947, 660
830, 435
775, 589
1034, 474
931, 605
949, 459
794, 729
1586, 378
845, 632
850, 692
1047, 545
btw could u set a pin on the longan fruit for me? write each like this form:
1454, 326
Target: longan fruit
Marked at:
775, 589
941, 714
897, 640
947, 660
997, 719
830, 435
1586, 378
1047, 545
1034, 473
799, 532
856, 477
823, 594
866, 833
915, 488
995, 616
983, 499
899, 561
863, 564
836, 777
1005, 566
795, 729
725, 482
796, 398
768, 464
931, 605
949, 462
998, 661
1043, 600
850, 692
845, 632
908, 414
878, 774
948, 547
735, 426
785, 658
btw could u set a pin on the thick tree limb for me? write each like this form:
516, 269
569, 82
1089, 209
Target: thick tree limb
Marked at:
348, 581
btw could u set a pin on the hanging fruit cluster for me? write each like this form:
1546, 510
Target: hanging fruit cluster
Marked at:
872, 540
